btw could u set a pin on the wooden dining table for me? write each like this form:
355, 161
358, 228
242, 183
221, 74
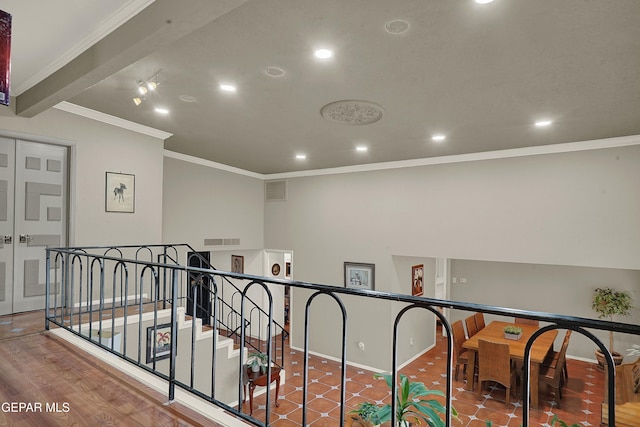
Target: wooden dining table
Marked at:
494, 331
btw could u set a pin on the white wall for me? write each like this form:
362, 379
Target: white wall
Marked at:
100, 148
548, 288
201, 202
578, 208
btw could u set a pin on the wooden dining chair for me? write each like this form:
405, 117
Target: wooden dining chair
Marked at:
552, 358
472, 328
553, 377
494, 364
479, 321
521, 321
461, 354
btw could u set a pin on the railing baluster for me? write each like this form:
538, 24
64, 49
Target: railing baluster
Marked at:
253, 324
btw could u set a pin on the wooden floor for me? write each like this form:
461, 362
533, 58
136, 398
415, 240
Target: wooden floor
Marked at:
45, 381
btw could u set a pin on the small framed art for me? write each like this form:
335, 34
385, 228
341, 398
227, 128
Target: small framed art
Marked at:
237, 264
159, 345
417, 282
359, 275
120, 192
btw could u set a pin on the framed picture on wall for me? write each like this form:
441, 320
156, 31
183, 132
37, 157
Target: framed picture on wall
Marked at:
237, 264
359, 275
159, 344
417, 282
120, 192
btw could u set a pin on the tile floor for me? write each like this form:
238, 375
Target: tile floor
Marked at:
580, 403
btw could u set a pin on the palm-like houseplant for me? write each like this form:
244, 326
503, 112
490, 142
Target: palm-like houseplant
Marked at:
415, 403
609, 303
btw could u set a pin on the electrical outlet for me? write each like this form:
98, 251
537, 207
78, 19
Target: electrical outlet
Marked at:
361, 346
411, 341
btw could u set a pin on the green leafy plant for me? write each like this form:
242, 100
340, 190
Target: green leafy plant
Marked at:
608, 303
415, 402
258, 361
368, 412
511, 329
561, 423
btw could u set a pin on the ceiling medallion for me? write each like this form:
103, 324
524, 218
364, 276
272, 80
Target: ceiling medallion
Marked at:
352, 112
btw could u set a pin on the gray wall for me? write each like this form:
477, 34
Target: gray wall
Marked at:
578, 208
206, 203
549, 288
100, 148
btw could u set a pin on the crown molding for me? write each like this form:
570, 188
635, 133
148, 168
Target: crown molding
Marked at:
111, 120
212, 164
568, 147
597, 144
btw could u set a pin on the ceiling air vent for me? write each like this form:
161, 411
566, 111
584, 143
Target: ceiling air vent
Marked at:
275, 191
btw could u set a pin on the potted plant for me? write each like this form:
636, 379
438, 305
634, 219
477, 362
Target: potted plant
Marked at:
608, 303
365, 415
415, 402
512, 332
258, 361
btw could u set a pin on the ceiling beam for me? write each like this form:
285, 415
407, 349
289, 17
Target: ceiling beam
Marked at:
157, 26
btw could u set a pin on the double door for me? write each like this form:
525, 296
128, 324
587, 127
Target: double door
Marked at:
33, 216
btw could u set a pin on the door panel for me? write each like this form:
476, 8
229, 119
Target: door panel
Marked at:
7, 163
40, 218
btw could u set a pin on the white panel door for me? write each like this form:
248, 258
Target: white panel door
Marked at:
7, 164
40, 218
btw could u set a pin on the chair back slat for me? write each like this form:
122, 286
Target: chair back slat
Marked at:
479, 321
494, 362
472, 328
521, 321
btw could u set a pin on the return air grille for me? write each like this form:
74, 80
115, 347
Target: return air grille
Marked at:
275, 191
221, 242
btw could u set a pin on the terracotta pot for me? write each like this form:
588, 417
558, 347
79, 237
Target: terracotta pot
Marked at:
617, 359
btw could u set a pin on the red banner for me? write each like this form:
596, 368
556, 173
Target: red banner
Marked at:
5, 56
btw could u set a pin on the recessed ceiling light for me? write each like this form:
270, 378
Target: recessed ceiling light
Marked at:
162, 110
187, 98
543, 123
227, 87
274, 71
301, 156
484, 1
438, 138
323, 54
361, 148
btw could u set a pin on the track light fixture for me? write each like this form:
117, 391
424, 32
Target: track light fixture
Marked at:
144, 87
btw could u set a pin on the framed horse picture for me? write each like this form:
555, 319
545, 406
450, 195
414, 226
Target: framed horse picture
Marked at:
120, 192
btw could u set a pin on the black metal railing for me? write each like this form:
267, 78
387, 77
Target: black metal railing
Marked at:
90, 282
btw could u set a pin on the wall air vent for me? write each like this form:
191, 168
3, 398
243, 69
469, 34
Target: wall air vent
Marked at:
275, 191
221, 242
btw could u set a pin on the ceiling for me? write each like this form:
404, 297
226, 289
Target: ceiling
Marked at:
479, 74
